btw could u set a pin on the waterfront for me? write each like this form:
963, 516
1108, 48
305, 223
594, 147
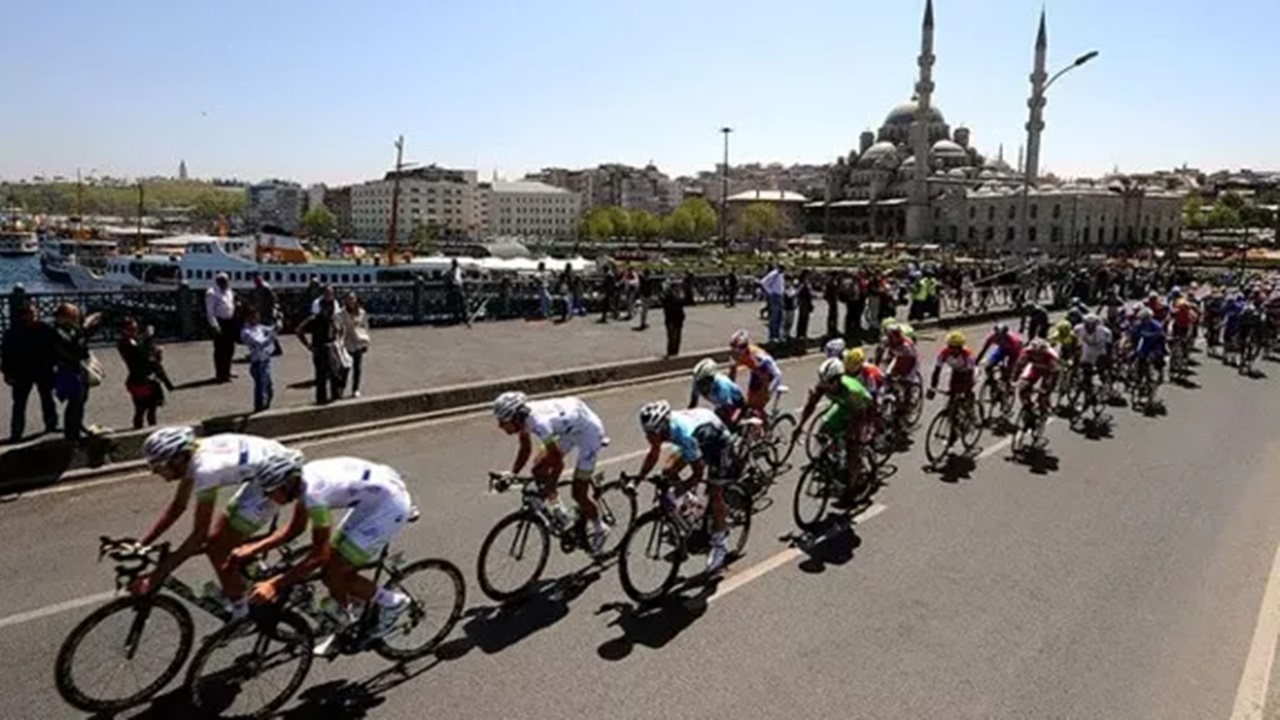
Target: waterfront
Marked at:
25, 270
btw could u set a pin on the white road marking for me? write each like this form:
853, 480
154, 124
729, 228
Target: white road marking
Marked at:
755, 572
1251, 695
46, 611
988, 452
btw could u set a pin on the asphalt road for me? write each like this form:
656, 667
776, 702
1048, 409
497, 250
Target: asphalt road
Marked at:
1119, 578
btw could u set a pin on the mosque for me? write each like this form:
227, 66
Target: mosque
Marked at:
961, 198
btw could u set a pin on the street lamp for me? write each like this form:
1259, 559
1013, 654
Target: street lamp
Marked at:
724, 189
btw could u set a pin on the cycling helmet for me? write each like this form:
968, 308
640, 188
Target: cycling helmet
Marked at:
276, 470
834, 348
894, 329
1090, 320
510, 406
884, 324
1153, 295
740, 340
1064, 326
1176, 291
1039, 345
830, 370
1001, 328
1074, 315
654, 416
1182, 302
854, 359
1145, 314
705, 370
168, 443
955, 339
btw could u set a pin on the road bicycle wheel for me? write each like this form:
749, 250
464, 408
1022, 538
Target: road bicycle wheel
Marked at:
914, 400
437, 593
739, 509
814, 490
618, 511
108, 646
970, 429
513, 556
989, 401
651, 557
780, 431
813, 445
938, 438
249, 668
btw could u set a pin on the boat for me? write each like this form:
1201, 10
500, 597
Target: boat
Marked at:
18, 243
77, 262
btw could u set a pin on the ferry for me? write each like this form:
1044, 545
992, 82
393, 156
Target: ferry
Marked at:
17, 243
77, 262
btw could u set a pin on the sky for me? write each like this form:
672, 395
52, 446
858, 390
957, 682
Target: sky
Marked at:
317, 91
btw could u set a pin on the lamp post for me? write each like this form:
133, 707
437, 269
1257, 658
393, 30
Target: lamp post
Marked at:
724, 190
1034, 125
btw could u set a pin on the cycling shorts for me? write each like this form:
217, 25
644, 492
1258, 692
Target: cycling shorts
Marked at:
368, 529
249, 509
839, 420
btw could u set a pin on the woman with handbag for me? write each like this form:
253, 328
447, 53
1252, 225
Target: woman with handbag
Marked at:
75, 369
141, 382
355, 335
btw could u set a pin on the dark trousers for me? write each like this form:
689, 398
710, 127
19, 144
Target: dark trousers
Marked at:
49, 410
833, 319
674, 329
324, 374
357, 368
606, 305
852, 325
802, 324
224, 348
144, 409
458, 305
73, 418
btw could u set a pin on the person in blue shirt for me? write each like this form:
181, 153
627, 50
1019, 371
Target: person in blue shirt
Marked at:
1231, 312
724, 394
1147, 336
703, 444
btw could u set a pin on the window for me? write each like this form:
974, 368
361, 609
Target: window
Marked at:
990, 233
293, 277
239, 276
1031, 235
991, 213
1057, 211
1035, 210
973, 212
1055, 234
279, 276
346, 278
1008, 235
1012, 212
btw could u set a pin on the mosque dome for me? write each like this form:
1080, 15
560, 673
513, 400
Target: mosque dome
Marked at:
905, 114
949, 149
879, 152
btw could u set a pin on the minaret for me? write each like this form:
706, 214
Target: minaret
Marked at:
918, 214
1035, 126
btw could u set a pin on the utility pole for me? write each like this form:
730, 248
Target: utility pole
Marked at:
141, 197
724, 190
395, 202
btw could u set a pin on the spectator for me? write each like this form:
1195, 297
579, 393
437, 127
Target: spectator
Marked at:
646, 297
789, 297
27, 362
630, 291
731, 292
851, 294
609, 289
71, 366
804, 306
220, 310
260, 337
355, 333
673, 316
457, 294
147, 344
544, 291
140, 380
267, 305
773, 284
831, 293
566, 290
326, 295
322, 336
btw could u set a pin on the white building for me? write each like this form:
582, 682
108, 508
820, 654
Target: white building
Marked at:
529, 209
275, 202
440, 198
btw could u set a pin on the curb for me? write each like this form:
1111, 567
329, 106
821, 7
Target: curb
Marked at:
58, 462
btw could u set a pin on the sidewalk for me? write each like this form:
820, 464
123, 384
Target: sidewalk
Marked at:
410, 358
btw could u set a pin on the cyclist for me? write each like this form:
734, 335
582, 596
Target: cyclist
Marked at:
1008, 349
956, 356
850, 409
1036, 321
1114, 308
202, 467
703, 444
1095, 348
1147, 338
907, 330
723, 394
1251, 324
1213, 310
1063, 337
857, 367
1039, 362
903, 359
378, 506
765, 376
1181, 321
834, 348
559, 426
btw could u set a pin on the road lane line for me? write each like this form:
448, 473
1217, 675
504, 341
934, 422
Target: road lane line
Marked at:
783, 557
1251, 695
988, 452
46, 611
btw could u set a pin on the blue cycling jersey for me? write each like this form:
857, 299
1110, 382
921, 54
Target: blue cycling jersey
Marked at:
724, 393
688, 427
1148, 337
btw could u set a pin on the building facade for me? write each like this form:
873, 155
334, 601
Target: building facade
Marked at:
275, 202
338, 200
617, 185
529, 209
790, 207
440, 198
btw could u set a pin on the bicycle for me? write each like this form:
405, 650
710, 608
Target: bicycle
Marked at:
1089, 398
770, 439
1179, 367
533, 523
996, 396
1142, 384
958, 421
295, 620
1030, 430
826, 477
671, 531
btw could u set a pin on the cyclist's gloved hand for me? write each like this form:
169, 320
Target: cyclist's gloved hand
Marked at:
931, 394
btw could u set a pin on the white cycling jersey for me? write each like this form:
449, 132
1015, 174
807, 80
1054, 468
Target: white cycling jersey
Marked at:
375, 494
1093, 345
567, 423
229, 459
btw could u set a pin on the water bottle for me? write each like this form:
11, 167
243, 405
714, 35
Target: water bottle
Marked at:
693, 506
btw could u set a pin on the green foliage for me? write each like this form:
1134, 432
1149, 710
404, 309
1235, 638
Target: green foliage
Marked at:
1224, 216
620, 219
645, 225
423, 236
760, 221
597, 225
679, 225
704, 218
207, 201
319, 223
1232, 200
1192, 209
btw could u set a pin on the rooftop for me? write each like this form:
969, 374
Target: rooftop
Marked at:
527, 186
767, 196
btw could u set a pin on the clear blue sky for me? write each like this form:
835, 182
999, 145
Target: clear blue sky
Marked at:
317, 91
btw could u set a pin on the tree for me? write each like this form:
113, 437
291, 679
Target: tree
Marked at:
1224, 216
620, 219
679, 225
703, 216
319, 224
1192, 209
422, 237
1233, 200
645, 225
597, 225
760, 221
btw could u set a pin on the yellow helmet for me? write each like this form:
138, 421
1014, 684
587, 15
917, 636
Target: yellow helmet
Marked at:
955, 339
854, 358
1182, 302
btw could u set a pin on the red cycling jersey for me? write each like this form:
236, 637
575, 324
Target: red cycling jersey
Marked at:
962, 363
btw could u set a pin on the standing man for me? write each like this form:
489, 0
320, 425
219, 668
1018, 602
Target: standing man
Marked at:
319, 334
804, 306
457, 296
265, 302
774, 285
673, 316
220, 310
27, 362
731, 291
831, 293
609, 287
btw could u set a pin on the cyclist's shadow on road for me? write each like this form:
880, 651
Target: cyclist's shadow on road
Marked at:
496, 627
956, 468
833, 544
653, 626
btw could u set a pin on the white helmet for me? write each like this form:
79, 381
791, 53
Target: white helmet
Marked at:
834, 348
510, 405
830, 370
277, 469
167, 443
654, 416
1039, 345
740, 339
706, 369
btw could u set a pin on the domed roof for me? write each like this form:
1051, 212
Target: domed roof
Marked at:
905, 114
947, 148
879, 152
